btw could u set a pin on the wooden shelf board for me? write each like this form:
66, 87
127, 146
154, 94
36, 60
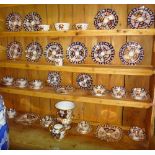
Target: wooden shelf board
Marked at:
95, 69
87, 33
77, 96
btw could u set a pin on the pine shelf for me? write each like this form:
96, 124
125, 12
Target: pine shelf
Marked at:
77, 96
86, 33
94, 69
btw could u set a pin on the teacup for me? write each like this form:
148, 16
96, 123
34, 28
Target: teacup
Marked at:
11, 113
139, 93
7, 80
83, 127
62, 26
118, 91
21, 82
36, 84
44, 27
58, 131
99, 90
81, 26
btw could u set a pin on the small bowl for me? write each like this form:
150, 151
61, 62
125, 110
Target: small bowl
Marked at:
44, 27
46, 121
7, 80
11, 113
137, 134
98, 90
81, 26
118, 92
36, 84
21, 83
83, 127
62, 26
139, 94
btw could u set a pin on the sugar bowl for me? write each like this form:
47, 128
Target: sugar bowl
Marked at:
58, 131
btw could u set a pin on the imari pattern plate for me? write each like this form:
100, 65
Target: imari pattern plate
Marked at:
109, 133
52, 51
140, 18
76, 53
103, 53
54, 79
106, 19
34, 52
131, 53
14, 50
84, 81
14, 22
32, 22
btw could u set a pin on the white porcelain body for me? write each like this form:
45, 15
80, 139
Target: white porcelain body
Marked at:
58, 131
44, 27
83, 127
81, 26
11, 113
99, 90
62, 26
37, 83
21, 82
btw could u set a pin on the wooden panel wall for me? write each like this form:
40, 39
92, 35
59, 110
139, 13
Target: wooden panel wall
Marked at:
74, 14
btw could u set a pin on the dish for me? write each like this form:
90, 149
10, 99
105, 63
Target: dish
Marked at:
36, 84
64, 89
141, 18
106, 19
99, 90
7, 80
81, 26
109, 133
52, 51
139, 94
76, 53
21, 83
34, 52
84, 81
54, 79
131, 53
14, 22
103, 53
118, 92
14, 50
62, 26
32, 22
137, 134
44, 27
27, 119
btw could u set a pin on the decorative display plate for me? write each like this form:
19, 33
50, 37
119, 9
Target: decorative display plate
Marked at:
84, 81
32, 22
140, 94
34, 52
27, 119
64, 89
76, 53
54, 79
131, 53
106, 19
141, 18
47, 121
137, 134
103, 53
14, 50
14, 22
52, 51
109, 133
